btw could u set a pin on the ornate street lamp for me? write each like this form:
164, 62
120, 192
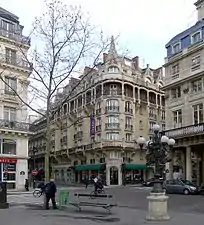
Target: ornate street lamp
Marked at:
158, 149
157, 154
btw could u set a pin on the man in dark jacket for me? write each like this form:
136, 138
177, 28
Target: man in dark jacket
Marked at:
50, 191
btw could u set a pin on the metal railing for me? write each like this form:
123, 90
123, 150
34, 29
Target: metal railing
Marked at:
16, 37
18, 126
14, 61
112, 125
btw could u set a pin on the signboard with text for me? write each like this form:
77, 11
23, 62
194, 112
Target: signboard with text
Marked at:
8, 160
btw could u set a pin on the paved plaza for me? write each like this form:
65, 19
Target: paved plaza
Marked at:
132, 209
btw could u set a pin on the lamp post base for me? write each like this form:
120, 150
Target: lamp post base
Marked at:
157, 204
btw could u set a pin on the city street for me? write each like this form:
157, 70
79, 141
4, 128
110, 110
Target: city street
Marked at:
132, 209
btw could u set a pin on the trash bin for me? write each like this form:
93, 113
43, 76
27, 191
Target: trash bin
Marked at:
63, 197
3, 196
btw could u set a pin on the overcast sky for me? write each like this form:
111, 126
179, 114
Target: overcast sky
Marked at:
145, 26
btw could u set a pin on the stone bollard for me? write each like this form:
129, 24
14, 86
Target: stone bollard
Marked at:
158, 207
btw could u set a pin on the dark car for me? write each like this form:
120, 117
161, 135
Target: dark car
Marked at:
178, 186
150, 182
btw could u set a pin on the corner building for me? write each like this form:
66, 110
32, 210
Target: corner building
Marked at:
14, 129
184, 88
114, 104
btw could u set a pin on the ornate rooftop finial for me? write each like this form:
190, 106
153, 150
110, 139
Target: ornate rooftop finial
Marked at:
112, 53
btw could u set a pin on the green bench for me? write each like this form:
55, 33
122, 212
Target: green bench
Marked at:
89, 200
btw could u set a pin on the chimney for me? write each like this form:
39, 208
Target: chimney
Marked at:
104, 57
136, 62
200, 9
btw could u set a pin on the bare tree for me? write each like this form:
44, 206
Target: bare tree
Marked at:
65, 41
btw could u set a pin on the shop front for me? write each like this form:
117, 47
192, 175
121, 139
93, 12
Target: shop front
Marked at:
8, 172
188, 154
135, 173
89, 171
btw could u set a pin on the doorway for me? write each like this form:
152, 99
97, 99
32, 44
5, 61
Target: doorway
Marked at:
113, 175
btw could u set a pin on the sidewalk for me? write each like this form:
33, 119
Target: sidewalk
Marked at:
94, 216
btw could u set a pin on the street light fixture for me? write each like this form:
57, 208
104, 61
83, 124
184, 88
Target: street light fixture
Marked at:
157, 154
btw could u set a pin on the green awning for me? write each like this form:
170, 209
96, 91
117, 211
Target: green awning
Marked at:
87, 167
130, 166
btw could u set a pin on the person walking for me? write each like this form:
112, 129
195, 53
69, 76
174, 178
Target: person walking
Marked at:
26, 185
50, 192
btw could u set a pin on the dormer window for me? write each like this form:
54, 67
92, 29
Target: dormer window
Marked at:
176, 48
113, 69
196, 37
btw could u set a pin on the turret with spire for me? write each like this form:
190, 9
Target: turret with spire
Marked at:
112, 53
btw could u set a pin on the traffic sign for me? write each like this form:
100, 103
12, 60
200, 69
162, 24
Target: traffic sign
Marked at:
34, 172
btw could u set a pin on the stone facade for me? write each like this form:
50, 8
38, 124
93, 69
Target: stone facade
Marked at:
95, 132
184, 85
14, 128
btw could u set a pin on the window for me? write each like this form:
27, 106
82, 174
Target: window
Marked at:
195, 62
151, 124
175, 71
9, 147
128, 120
196, 37
92, 161
177, 118
9, 113
152, 113
128, 137
113, 69
114, 155
163, 115
176, 92
163, 126
113, 119
112, 136
8, 26
128, 106
98, 137
11, 56
198, 113
112, 105
98, 121
196, 86
113, 89
176, 48
10, 85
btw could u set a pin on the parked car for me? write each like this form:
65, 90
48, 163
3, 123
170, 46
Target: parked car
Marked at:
150, 182
178, 186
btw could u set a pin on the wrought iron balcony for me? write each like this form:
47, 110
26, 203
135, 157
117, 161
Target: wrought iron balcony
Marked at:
16, 37
112, 108
112, 126
152, 116
14, 61
128, 110
128, 127
17, 126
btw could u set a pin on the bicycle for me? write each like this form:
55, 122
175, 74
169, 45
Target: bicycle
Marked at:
100, 191
37, 193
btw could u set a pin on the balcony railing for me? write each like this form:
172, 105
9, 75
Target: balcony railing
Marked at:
152, 116
112, 108
98, 128
14, 61
16, 37
18, 126
128, 127
112, 125
128, 110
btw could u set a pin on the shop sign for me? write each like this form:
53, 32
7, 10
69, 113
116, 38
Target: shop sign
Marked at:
184, 131
8, 160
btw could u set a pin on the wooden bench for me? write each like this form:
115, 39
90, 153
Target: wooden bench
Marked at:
93, 201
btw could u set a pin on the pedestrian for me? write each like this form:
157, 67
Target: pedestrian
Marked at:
26, 185
86, 181
50, 191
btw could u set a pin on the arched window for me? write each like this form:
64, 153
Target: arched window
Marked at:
113, 69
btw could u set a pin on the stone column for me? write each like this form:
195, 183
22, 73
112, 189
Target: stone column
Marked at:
107, 175
120, 177
188, 164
